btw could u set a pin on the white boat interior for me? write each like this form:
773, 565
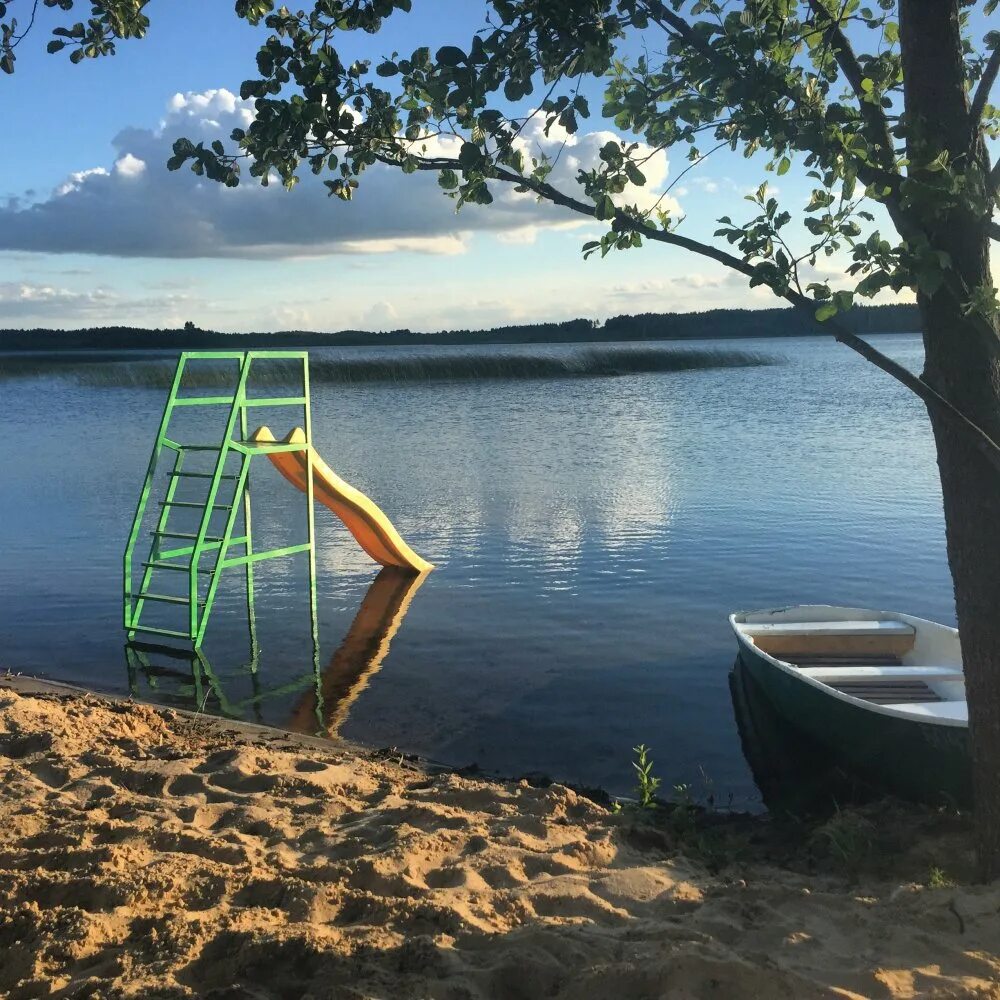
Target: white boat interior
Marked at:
902, 664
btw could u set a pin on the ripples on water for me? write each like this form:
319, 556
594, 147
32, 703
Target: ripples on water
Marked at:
590, 537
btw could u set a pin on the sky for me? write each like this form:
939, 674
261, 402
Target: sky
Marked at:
95, 231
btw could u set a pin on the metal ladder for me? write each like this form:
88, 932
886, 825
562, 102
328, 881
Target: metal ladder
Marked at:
194, 546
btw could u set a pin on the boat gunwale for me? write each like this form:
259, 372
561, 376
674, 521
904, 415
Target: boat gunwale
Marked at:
795, 672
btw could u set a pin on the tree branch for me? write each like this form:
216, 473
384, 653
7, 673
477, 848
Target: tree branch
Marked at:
673, 24
986, 82
31, 24
931, 397
851, 68
883, 173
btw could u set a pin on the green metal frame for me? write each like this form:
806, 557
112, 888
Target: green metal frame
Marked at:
198, 545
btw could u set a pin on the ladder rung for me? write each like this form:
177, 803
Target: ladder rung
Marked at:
171, 652
199, 447
160, 631
182, 567
200, 475
194, 504
204, 400
165, 598
268, 447
185, 534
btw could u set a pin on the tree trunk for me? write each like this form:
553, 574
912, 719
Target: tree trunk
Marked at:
963, 364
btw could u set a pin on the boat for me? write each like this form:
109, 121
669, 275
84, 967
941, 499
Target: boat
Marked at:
795, 775
883, 692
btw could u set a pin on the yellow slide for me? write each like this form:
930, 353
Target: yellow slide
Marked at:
364, 519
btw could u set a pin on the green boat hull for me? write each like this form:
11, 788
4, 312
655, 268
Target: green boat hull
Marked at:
916, 760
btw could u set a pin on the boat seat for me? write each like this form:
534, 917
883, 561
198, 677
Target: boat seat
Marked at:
887, 673
872, 627
873, 638
881, 692
848, 660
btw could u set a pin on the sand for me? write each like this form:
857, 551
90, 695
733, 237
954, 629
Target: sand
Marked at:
144, 854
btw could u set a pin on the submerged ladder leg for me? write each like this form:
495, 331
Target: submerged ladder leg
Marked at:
248, 533
311, 521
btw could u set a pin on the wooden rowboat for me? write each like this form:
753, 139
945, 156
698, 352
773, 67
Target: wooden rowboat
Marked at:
881, 691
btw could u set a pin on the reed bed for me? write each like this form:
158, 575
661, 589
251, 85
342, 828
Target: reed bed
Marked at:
586, 363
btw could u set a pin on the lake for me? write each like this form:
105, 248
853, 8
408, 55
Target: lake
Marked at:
590, 536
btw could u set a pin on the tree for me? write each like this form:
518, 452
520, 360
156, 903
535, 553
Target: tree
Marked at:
886, 107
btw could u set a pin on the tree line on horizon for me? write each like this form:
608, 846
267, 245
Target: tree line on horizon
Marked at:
715, 323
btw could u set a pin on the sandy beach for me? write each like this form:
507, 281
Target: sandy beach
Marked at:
149, 854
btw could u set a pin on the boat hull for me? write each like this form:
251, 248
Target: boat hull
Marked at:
910, 758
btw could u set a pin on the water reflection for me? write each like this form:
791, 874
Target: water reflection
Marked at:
794, 774
325, 696
324, 709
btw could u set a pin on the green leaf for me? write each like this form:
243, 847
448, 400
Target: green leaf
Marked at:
469, 155
784, 166
387, 68
605, 207
867, 85
825, 311
634, 174
891, 30
450, 55
843, 300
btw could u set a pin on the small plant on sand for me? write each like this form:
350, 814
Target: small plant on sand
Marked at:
848, 838
648, 783
683, 816
937, 878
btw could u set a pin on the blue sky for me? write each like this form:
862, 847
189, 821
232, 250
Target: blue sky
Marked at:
99, 233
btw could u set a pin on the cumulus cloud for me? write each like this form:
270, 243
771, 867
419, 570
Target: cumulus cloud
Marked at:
37, 301
129, 166
137, 208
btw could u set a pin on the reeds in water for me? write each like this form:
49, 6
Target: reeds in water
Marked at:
590, 362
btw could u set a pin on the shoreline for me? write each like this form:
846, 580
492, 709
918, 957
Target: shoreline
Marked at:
150, 852
29, 684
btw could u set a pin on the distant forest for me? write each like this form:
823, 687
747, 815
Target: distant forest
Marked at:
730, 323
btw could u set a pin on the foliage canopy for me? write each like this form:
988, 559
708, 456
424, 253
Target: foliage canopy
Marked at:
817, 81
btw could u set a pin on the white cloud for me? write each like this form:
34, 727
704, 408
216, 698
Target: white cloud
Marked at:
380, 316
129, 166
140, 209
29, 302
522, 236
76, 180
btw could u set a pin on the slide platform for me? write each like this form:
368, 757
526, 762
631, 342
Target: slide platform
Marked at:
365, 520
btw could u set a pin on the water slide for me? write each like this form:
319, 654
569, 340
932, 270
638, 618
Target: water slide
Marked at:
365, 520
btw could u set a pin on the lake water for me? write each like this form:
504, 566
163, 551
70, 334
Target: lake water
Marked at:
590, 536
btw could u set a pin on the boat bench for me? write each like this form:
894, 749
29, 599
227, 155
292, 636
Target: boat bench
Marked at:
849, 672
892, 685
873, 638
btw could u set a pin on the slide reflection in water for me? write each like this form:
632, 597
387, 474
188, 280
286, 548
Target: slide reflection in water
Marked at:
361, 654
323, 707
